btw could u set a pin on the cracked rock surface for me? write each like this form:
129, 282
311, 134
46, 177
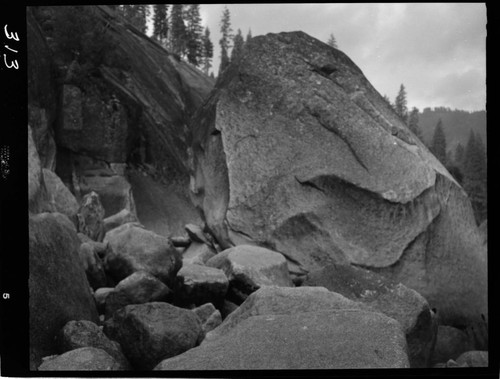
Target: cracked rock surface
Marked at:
296, 151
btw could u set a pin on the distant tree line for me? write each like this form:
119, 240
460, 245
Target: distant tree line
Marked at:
178, 28
467, 164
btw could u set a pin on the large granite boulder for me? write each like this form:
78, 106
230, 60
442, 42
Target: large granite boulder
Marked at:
61, 197
395, 300
333, 339
151, 332
132, 248
296, 151
58, 288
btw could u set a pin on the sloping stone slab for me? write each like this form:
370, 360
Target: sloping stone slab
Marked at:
334, 339
82, 359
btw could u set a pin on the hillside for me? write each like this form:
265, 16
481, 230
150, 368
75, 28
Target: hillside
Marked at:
457, 124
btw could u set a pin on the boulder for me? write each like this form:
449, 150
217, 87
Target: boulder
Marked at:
93, 265
138, 288
78, 334
38, 200
198, 285
118, 219
82, 359
250, 267
474, 358
296, 151
334, 339
63, 200
284, 301
90, 217
151, 332
195, 232
58, 288
227, 308
380, 294
209, 317
132, 248
197, 253
450, 343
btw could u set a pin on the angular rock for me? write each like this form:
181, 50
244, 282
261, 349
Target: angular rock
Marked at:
395, 300
250, 267
90, 217
474, 358
297, 151
58, 288
100, 296
62, 198
82, 359
195, 232
151, 332
450, 344
132, 248
227, 308
210, 317
198, 285
197, 253
284, 301
181, 241
138, 288
78, 334
118, 219
93, 265
335, 339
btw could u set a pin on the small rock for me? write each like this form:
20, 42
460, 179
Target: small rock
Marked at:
77, 334
132, 248
227, 308
474, 358
151, 332
210, 317
200, 284
196, 234
197, 253
180, 241
250, 267
82, 359
139, 288
100, 296
450, 343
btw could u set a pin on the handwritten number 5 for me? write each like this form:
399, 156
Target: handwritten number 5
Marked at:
13, 36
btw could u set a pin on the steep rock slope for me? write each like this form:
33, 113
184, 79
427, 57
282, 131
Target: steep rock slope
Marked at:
296, 151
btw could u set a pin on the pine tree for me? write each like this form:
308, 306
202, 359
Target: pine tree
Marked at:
400, 104
459, 155
207, 51
475, 176
249, 35
438, 144
225, 30
413, 123
177, 30
194, 32
160, 23
238, 43
332, 41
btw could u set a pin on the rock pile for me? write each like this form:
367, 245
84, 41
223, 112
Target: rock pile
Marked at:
331, 238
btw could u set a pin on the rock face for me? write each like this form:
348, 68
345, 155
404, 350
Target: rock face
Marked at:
82, 359
474, 358
250, 267
132, 248
58, 289
395, 300
296, 151
313, 340
149, 333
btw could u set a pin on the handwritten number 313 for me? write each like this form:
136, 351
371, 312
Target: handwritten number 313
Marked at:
15, 37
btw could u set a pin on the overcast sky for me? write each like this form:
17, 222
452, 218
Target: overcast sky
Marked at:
438, 51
